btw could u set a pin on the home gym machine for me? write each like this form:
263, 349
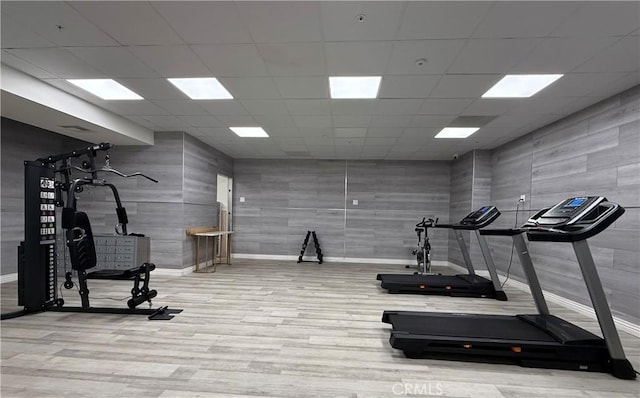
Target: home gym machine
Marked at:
423, 247
539, 340
46, 182
462, 285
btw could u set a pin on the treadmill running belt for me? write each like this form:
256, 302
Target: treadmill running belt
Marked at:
433, 280
487, 326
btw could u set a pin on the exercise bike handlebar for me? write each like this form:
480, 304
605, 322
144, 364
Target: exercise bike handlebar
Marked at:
427, 223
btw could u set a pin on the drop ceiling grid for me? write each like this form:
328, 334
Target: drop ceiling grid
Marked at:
275, 59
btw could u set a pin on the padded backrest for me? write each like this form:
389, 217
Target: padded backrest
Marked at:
82, 249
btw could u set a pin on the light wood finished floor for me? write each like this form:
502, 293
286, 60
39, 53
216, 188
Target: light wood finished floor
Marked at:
268, 329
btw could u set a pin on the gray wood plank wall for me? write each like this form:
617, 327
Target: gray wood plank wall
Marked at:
461, 201
202, 164
285, 198
185, 195
20, 142
595, 151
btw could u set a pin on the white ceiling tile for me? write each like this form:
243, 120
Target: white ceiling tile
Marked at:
130, 23
413, 139
511, 121
441, 20
302, 87
232, 60
283, 22
308, 107
56, 21
350, 132
561, 54
293, 59
407, 86
444, 106
439, 55
212, 132
321, 147
204, 22
626, 82
171, 61
24, 66
379, 142
350, 120
357, 58
223, 107
304, 121
164, 122
340, 23
491, 106
464, 86
601, 18
265, 107
251, 87
270, 82
397, 106
115, 62
578, 84
491, 55
384, 132
284, 133
431, 120
59, 62
274, 121
390, 120
623, 56
140, 108
15, 35
181, 107
154, 89
64, 85
349, 142
353, 106
240, 121
202, 121
421, 134
141, 121
520, 19
543, 105
373, 152
292, 144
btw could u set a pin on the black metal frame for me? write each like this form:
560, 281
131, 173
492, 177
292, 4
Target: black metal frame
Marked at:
37, 274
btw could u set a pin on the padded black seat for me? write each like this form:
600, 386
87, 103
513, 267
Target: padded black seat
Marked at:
82, 252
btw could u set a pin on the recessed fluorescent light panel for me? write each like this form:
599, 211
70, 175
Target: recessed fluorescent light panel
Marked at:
520, 86
456, 132
201, 88
106, 89
354, 87
249, 131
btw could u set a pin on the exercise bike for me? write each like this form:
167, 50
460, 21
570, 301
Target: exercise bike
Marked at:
423, 247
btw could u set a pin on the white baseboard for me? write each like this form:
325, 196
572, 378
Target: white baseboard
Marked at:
354, 260
582, 309
9, 278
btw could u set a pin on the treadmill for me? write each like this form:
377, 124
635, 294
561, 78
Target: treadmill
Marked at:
539, 340
463, 285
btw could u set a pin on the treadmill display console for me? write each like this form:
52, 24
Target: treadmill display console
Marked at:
573, 219
568, 210
479, 216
